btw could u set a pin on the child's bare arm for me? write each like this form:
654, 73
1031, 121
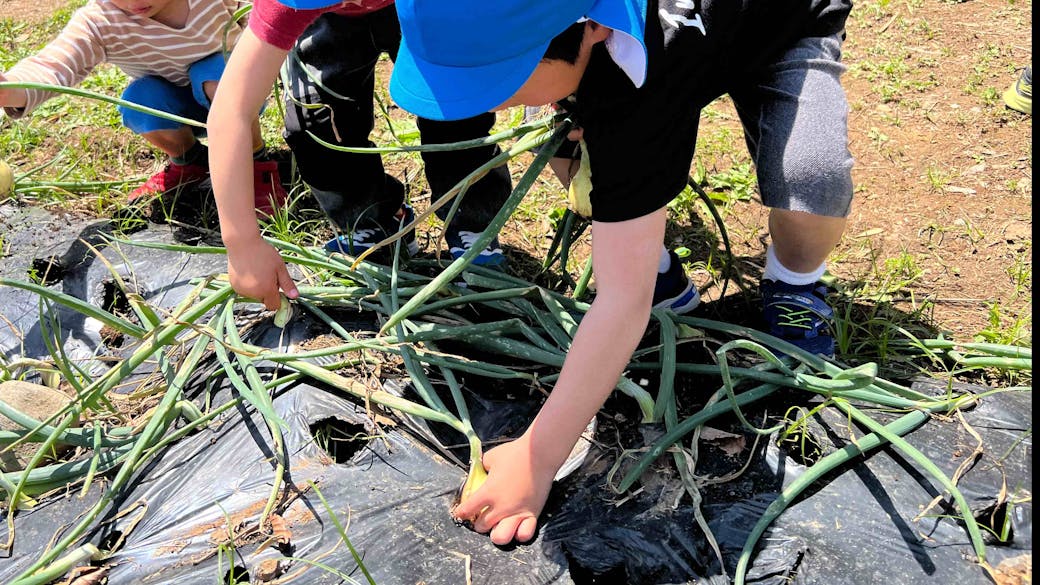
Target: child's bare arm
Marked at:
66, 61
520, 473
254, 266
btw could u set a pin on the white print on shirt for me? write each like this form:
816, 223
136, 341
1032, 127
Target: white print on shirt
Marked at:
678, 20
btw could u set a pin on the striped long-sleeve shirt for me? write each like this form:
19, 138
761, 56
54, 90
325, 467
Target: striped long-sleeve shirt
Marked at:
102, 33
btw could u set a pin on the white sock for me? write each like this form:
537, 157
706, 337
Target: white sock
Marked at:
777, 271
665, 262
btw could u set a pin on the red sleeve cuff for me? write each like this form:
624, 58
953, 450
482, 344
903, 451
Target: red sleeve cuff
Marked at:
279, 25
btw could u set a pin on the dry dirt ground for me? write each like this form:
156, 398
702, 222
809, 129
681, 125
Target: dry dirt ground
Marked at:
943, 170
36, 11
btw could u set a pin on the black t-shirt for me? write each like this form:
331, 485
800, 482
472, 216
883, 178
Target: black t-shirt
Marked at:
641, 140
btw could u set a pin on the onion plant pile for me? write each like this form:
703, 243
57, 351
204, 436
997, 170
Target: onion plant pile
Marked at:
17, 185
529, 327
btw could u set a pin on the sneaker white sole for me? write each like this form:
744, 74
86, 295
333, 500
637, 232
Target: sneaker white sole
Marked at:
411, 248
683, 303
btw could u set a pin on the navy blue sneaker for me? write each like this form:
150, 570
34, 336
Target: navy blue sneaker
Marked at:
362, 239
674, 290
799, 314
460, 241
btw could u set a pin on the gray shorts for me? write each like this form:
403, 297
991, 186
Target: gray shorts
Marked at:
795, 119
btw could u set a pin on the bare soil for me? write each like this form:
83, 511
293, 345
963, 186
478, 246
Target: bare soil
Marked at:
943, 169
30, 12
942, 172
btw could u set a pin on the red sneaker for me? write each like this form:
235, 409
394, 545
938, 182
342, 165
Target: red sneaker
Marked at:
268, 193
171, 177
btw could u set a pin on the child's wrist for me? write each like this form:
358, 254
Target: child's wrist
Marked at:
240, 238
546, 454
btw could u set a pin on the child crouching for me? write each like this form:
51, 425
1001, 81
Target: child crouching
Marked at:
174, 52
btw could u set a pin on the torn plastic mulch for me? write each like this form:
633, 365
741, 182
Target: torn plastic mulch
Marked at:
393, 493
56, 250
392, 490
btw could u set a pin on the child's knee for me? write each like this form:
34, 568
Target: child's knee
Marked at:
149, 91
816, 180
153, 92
210, 89
205, 75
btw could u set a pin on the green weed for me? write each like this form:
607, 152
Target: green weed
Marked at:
227, 551
904, 268
969, 230
796, 438
292, 224
885, 278
961, 228
894, 77
1021, 272
876, 10
738, 183
878, 138
990, 96
881, 331
925, 29
982, 71
1006, 329
938, 178
735, 184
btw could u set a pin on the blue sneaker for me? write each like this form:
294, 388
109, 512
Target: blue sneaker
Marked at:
460, 241
674, 290
361, 240
799, 314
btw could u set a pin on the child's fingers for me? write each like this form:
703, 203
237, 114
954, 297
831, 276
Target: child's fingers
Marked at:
504, 531
285, 282
488, 518
528, 526
469, 509
271, 299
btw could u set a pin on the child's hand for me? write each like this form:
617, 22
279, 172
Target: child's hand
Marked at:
257, 271
510, 500
12, 98
8, 96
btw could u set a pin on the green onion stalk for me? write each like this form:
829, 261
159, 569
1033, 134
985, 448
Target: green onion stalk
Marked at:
418, 312
515, 132
148, 437
535, 138
859, 383
453, 270
54, 571
101, 98
476, 474
253, 390
879, 436
154, 341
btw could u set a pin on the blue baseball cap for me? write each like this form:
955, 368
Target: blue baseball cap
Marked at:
309, 4
461, 58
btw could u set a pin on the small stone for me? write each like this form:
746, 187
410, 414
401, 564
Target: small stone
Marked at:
33, 400
1014, 571
267, 570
